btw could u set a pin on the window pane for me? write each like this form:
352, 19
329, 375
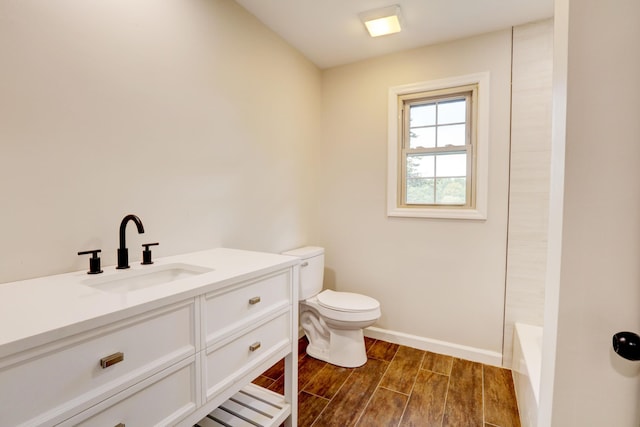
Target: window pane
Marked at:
452, 112
452, 135
420, 166
422, 115
451, 191
422, 137
419, 191
451, 165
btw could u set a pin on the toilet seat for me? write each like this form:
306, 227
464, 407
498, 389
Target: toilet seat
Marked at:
347, 317
347, 301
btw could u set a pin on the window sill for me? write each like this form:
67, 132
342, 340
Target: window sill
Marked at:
437, 213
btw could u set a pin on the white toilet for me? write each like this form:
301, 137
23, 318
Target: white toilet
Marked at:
333, 321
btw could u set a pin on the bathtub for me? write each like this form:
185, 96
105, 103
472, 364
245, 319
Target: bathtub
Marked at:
527, 357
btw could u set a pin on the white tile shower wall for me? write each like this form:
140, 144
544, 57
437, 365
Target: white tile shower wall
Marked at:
529, 180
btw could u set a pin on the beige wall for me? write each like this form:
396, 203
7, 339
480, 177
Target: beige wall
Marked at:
437, 279
594, 283
190, 114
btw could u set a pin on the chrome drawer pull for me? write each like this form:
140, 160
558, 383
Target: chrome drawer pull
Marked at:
256, 345
304, 264
105, 362
254, 300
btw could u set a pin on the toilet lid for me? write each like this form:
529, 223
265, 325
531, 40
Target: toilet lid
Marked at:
346, 301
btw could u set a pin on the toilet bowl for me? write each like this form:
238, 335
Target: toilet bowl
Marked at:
332, 321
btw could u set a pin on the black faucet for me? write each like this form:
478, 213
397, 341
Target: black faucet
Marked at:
123, 252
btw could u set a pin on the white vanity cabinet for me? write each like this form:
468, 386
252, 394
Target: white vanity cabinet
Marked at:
180, 355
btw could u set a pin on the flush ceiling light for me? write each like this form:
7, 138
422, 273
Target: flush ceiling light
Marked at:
380, 22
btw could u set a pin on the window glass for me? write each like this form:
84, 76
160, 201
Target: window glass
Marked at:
451, 165
422, 137
451, 191
452, 135
420, 191
436, 179
421, 166
436, 167
452, 112
423, 115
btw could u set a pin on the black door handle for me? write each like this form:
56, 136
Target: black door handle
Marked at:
627, 345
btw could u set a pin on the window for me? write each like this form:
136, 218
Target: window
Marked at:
438, 149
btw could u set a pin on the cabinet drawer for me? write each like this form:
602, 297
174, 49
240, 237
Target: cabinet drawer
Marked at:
161, 400
223, 364
225, 311
58, 380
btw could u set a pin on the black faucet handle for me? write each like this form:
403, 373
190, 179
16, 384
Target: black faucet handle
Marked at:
146, 254
94, 261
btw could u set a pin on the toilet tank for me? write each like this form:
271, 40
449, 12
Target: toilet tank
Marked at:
311, 269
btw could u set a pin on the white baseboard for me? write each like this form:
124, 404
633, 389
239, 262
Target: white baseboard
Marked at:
436, 346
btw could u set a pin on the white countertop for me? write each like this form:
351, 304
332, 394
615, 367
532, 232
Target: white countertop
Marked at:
36, 311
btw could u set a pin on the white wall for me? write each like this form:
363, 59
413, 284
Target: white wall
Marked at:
594, 287
436, 279
529, 177
190, 114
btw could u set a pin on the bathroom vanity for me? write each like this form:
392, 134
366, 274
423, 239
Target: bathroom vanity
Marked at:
177, 342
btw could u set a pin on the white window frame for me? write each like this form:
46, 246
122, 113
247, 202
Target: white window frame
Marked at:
478, 209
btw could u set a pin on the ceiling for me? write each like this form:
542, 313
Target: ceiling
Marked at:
329, 33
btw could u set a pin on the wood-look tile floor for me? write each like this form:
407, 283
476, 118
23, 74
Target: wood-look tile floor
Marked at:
399, 386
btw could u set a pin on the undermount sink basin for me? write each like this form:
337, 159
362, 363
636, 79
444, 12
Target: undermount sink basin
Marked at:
123, 281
